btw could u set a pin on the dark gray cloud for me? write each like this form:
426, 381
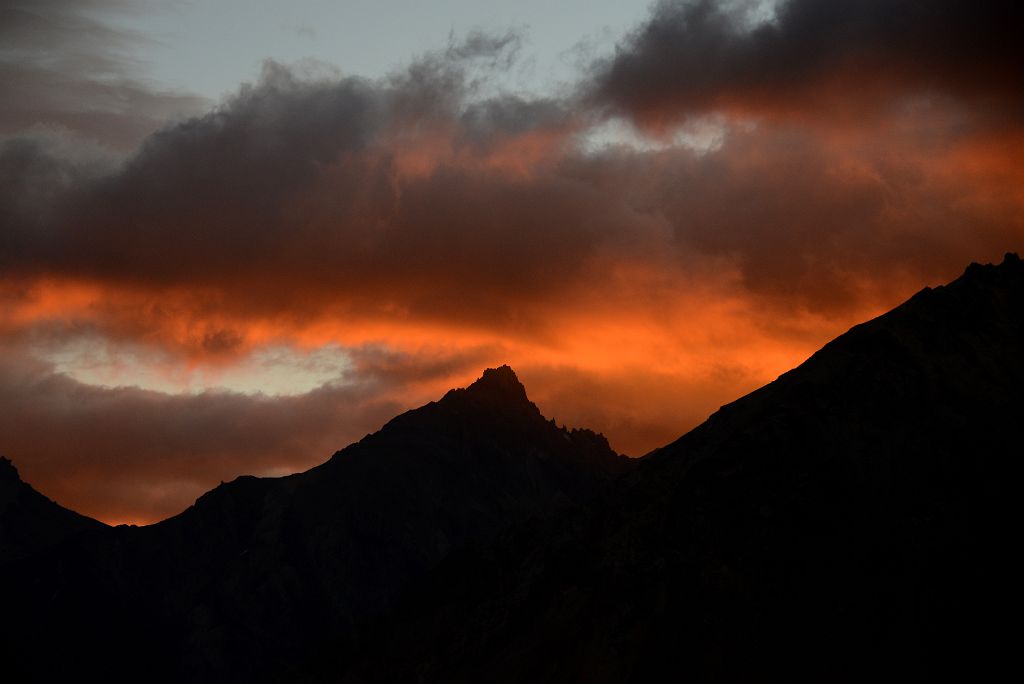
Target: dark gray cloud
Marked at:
692, 56
397, 193
414, 194
294, 195
294, 189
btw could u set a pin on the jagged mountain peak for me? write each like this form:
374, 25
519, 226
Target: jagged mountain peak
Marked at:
500, 379
986, 274
1011, 262
497, 392
262, 566
497, 384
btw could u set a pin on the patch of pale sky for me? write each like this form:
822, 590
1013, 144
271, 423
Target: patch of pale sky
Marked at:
277, 370
209, 47
700, 134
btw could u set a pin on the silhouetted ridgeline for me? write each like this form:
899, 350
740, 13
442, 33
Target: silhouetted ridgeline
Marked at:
853, 520
260, 570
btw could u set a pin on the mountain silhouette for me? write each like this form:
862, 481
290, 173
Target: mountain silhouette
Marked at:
852, 521
260, 569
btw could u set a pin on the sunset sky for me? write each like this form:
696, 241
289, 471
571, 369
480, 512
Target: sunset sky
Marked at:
237, 236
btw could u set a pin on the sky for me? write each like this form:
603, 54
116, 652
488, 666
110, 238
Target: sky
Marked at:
236, 237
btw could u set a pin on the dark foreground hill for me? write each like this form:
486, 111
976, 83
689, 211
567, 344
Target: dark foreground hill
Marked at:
259, 571
855, 520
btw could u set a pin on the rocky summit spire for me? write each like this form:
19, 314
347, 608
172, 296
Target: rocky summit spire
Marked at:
499, 383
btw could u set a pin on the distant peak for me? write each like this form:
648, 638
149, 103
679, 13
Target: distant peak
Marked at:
501, 384
1011, 259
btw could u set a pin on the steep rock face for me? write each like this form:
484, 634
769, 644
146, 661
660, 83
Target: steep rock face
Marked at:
853, 520
260, 569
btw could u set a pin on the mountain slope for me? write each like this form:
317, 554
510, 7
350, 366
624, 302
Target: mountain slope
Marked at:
29, 522
259, 570
853, 520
